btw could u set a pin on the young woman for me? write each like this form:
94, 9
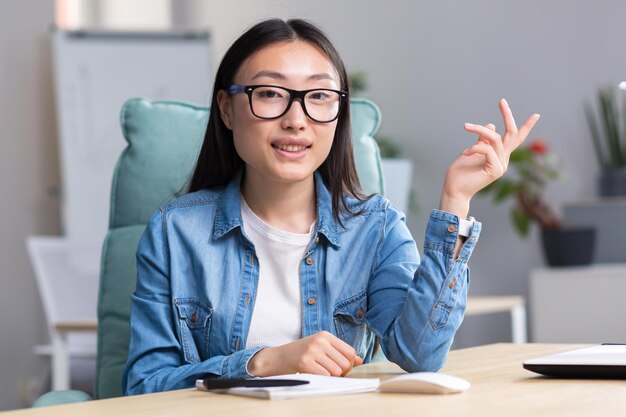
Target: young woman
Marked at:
275, 262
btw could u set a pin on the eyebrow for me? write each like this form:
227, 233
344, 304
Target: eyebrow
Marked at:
279, 76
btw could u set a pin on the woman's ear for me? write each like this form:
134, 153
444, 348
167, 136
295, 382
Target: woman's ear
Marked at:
223, 101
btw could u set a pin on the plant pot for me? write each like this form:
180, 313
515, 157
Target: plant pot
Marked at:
612, 182
568, 247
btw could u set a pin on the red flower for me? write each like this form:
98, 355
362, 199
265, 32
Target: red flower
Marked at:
538, 147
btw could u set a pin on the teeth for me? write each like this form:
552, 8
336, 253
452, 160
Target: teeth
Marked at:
291, 148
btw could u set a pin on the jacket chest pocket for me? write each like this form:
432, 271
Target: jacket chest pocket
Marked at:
194, 318
350, 325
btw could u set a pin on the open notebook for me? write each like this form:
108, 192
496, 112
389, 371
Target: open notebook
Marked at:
318, 386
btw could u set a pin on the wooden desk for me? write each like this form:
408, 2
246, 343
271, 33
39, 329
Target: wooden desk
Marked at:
500, 387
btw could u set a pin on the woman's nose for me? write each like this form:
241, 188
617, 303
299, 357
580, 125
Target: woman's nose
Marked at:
295, 118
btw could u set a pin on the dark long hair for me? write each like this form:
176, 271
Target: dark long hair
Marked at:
219, 162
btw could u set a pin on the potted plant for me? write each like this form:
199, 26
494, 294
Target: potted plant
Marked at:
609, 142
531, 167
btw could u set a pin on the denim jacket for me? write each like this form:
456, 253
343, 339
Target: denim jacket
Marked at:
197, 277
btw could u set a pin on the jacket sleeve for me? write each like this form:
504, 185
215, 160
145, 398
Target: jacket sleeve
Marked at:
416, 312
156, 354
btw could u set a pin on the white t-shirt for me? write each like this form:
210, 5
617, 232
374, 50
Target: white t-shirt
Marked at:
277, 313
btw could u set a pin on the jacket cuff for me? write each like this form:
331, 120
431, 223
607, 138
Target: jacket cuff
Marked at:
442, 233
236, 365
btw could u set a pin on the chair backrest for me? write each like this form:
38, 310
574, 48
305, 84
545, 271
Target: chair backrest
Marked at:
164, 139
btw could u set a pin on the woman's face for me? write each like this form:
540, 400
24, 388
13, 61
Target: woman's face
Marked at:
290, 148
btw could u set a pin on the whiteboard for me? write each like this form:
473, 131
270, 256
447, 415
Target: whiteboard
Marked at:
95, 73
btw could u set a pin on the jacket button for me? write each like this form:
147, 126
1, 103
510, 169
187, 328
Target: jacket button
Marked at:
309, 261
311, 300
452, 283
451, 228
193, 317
317, 239
360, 314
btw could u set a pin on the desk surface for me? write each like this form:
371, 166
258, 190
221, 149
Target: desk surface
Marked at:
500, 387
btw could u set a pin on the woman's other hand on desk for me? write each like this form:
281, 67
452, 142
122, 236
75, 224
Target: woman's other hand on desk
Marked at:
484, 162
321, 354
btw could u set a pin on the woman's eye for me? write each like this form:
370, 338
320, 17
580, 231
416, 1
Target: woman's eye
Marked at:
269, 94
319, 95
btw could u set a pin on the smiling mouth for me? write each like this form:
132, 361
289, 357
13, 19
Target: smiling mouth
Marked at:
291, 148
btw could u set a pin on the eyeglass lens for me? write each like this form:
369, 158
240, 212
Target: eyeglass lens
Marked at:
270, 102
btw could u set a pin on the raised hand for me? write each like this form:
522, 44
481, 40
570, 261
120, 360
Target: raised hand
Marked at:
321, 354
484, 162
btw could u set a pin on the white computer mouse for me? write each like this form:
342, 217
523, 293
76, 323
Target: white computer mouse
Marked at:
425, 383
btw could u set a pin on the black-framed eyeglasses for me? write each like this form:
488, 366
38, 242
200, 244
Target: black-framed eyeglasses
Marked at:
321, 105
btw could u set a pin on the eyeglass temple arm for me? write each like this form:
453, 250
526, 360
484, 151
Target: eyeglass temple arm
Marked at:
236, 88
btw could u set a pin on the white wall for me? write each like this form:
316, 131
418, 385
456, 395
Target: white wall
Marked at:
135, 14
29, 172
435, 65
115, 14
28, 178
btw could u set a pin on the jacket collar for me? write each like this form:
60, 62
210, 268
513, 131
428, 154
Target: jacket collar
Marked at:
228, 215
326, 222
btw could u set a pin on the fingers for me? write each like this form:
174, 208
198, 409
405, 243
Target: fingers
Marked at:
335, 364
329, 365
485, 132
488, 135
341, 361
494, 167
345, 349
528, 125
509, 122
512, 137
318, 369
328, 352
345, 355
321, 354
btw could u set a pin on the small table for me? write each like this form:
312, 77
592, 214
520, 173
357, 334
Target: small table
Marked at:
67, 274
514, 304
61, 350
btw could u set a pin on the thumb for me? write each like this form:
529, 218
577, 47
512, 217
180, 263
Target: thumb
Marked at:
358, 361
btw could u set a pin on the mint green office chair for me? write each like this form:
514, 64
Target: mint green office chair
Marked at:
164, 139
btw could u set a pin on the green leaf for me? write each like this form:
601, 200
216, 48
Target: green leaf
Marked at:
521, 154
388, 148
623, 132
610, 117
521, 221
489, 188
505, 189
595, 134
358, 81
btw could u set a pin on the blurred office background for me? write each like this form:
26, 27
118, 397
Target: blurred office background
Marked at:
431, 67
